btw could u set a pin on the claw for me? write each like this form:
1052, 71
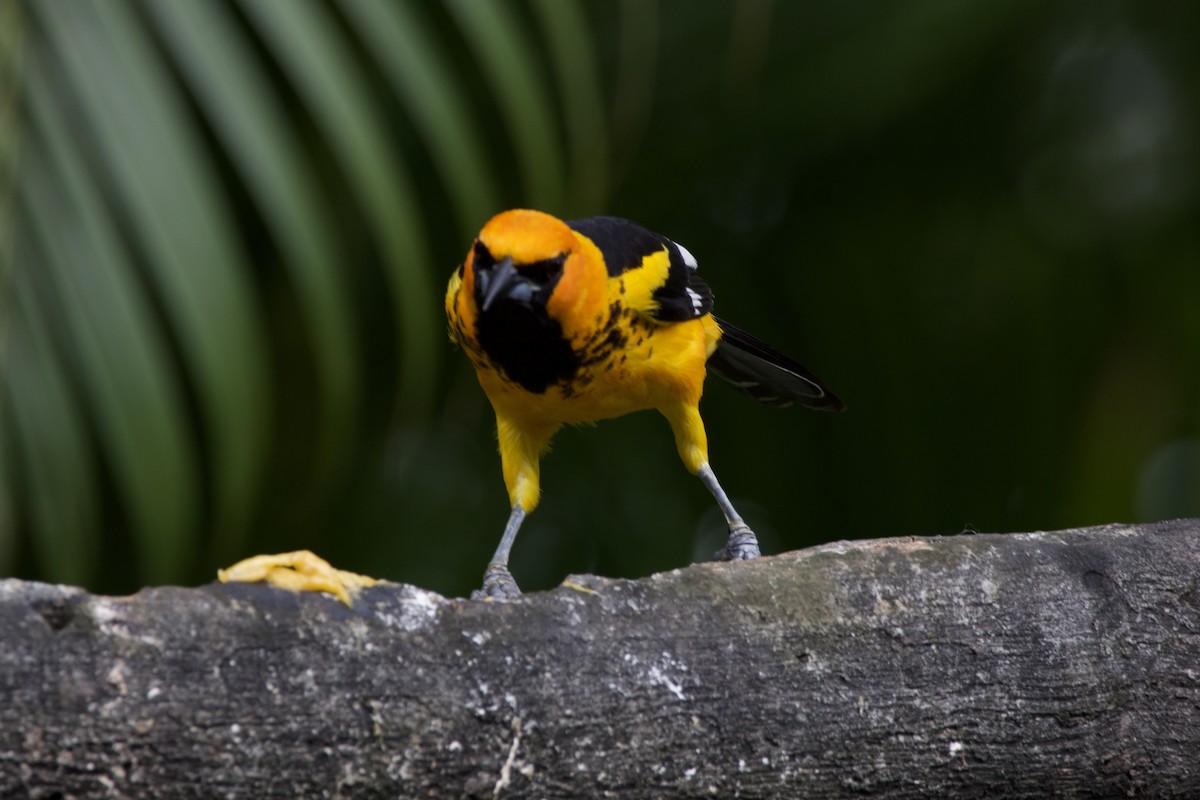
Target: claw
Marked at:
498, 584
741, 546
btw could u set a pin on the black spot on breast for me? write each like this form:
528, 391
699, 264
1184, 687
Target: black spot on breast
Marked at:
527, 345
601, 350
614, 312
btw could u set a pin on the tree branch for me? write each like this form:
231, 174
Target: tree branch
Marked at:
1013, 665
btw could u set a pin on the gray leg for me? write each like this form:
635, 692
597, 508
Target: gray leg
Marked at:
498, 582
742, 543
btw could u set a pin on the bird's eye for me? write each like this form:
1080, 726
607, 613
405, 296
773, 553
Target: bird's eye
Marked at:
546, 273
483, 258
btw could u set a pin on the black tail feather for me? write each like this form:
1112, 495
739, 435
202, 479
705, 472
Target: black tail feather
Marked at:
754, 367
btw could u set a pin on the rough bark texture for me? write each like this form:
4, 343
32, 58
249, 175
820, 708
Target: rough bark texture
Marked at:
1020, 665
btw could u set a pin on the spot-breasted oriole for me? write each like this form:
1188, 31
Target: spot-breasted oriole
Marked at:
589, 319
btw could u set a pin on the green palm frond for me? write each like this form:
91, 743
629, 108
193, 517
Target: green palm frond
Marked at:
213, 212
226, 225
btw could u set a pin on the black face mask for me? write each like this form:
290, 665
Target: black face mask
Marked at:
528, 285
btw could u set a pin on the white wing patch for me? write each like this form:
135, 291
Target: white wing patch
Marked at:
697, 300
688, 258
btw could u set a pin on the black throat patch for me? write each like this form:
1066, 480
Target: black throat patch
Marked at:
526, 344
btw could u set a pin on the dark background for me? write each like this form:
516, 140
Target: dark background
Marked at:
227, 229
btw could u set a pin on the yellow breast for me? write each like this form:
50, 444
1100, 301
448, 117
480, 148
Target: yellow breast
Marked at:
637, 364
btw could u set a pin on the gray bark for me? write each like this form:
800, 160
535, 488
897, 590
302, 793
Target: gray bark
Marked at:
1019, 665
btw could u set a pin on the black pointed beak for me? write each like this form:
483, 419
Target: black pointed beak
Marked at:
504, 280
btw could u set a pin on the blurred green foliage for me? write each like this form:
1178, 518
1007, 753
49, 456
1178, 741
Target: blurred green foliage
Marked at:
225, 228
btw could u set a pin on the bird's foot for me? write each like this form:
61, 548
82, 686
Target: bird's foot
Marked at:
741, 546
299, 571
498, 584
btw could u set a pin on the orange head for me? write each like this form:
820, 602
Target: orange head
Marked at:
529, 260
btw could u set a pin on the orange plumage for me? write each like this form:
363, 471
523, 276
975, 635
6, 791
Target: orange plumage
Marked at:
571, 322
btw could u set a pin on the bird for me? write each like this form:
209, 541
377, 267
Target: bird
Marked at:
569, 322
